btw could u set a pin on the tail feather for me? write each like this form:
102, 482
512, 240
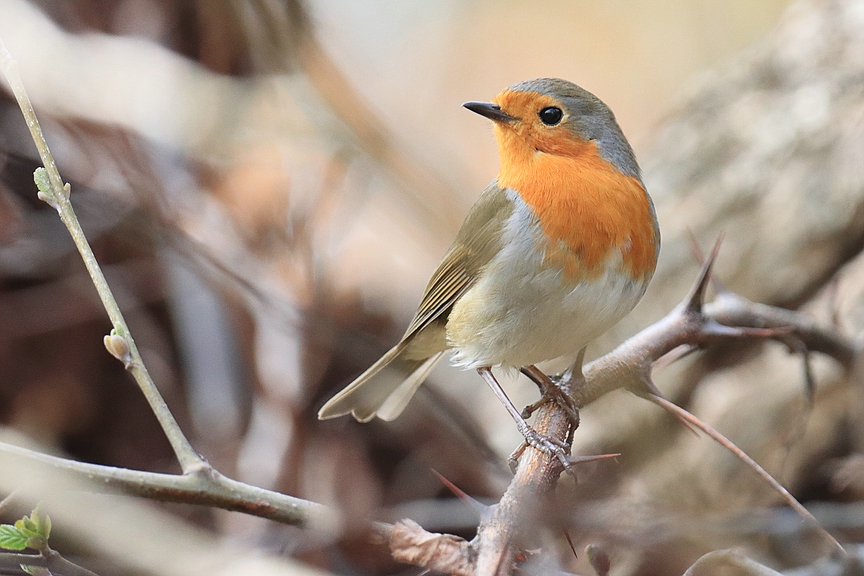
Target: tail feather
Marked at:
399, 398
383, 390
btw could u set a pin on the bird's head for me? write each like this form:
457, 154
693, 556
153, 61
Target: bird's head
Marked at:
554, 116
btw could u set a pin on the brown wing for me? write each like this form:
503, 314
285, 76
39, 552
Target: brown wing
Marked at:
476, 243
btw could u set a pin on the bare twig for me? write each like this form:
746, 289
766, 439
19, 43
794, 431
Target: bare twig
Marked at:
56, 193
204, 487
200, 482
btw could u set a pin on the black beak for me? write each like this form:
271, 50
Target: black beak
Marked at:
491, 111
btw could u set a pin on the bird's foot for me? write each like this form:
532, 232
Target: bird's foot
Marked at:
552, 447
529, 410
552, 392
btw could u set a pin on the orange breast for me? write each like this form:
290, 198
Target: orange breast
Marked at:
586, 207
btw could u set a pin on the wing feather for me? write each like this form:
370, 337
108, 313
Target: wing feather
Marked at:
477, 242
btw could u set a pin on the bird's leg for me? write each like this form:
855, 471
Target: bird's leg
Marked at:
551, 391
543, 443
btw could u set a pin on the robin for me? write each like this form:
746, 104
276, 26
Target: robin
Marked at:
557, 249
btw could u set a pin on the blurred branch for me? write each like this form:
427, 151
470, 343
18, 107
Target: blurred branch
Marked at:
54, 192
713, 561
423, 188
440, 552
48, 558
691, 420
200, 482
203, 487
283, 35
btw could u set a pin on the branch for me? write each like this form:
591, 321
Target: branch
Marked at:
440, 552
741, 455
711, 562
54, 192
690, 324
200, 483
48, 558
730, 316
205, 486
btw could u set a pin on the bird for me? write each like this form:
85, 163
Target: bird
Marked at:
556, 250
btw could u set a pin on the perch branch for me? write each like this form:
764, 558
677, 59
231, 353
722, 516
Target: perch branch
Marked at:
690, 324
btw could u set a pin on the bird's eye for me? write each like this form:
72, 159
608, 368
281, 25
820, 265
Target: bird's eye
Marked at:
551, 115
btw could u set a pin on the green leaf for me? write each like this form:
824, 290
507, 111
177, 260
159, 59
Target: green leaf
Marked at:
37, 525
42, 521
11, 538
27, 527
46, 526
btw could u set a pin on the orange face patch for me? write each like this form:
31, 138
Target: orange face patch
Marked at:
586, 207
550, 139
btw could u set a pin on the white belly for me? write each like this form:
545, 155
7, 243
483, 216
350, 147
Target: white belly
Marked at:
522, 312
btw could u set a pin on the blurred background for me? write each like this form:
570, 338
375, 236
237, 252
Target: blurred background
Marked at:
269, 184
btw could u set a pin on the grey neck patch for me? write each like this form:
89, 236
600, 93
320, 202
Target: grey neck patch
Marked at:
588, 118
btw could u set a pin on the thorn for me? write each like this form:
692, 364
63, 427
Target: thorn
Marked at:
647, 386
566, 378
714, 328
674, 355
696, 298
591, 458
699, 256
461, 494
654, 395
570, 543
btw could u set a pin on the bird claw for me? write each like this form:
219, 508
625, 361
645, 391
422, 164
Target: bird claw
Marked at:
552, 447
529, 410
551, 391
513, 459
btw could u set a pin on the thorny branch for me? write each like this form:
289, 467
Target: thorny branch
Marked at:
692, 323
